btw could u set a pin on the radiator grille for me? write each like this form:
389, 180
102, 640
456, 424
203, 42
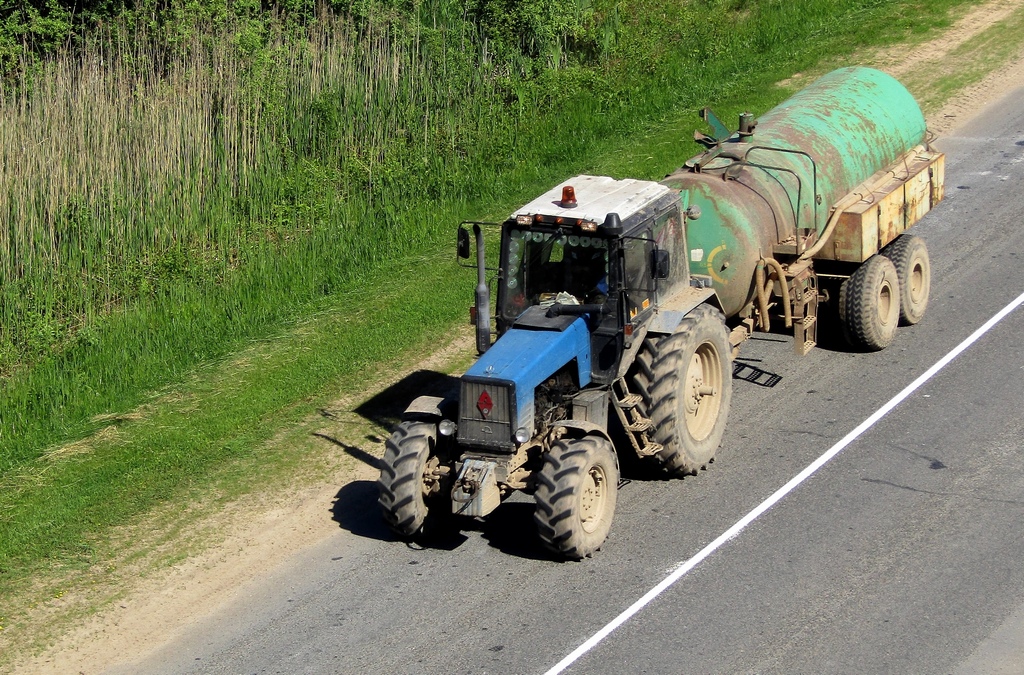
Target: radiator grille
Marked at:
494, 428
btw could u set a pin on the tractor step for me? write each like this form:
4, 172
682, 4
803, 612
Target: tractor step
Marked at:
636, 425
651, 449
640, 424
630, 401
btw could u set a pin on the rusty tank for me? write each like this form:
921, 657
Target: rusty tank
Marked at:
777, 188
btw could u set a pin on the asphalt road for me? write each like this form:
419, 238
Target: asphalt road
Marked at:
902, 555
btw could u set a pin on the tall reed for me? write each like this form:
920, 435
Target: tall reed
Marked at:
133, 163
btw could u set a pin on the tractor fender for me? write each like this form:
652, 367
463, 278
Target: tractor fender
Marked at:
666, 319
580, 428
633, 348
675, 309
424, 406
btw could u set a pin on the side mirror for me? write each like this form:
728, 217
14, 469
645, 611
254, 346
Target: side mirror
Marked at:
462, 248
659, 264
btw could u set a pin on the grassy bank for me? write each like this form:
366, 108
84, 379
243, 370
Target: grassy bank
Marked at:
356, 241
165, 202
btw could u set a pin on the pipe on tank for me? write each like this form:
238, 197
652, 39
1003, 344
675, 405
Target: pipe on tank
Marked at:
763, 282
855, 196
781, 276
762, 297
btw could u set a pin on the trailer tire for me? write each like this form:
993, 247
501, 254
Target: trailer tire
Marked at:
402, 497
575, 495
913, 269
869, 304
688, 391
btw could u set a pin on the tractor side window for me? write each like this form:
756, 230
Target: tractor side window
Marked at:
639, 280
668, 236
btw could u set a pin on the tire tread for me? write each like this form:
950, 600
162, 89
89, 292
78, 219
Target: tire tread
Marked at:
400, 482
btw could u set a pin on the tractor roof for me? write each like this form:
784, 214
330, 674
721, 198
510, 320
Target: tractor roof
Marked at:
596, 197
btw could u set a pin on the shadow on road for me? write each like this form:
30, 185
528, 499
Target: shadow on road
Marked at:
355, 509
509, 528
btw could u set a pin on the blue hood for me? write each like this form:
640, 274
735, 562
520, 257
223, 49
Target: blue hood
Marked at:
527, 357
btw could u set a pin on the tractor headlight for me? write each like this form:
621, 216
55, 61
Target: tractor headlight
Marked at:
522, 434
447, 428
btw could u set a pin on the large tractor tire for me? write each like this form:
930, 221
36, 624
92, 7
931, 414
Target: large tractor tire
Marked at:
869, 304
913, 269
685, 380
576, 491
403, 490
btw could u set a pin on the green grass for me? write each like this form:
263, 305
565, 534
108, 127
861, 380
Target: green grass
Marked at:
228, 410
309, 285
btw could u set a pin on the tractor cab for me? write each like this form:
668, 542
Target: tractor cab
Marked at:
594, 247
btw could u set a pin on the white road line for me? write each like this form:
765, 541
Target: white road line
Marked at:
684, 567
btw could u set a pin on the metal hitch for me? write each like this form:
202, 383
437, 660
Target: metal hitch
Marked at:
476, 492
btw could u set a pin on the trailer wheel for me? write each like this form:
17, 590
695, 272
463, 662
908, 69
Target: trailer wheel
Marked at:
403, 490
576, 491
688, 390
910, 257
869, 304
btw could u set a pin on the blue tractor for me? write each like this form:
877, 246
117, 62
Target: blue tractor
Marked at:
602, 334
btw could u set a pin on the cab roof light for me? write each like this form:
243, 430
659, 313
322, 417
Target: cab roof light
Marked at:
568, 197
524, 220
588, 226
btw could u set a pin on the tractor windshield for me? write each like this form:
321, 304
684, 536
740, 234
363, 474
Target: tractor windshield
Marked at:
545, 267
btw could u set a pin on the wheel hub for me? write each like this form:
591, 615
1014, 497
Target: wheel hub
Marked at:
885, 300
701, 390
917, 283
592, 498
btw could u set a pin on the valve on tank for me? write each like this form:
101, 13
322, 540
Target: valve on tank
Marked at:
747, 126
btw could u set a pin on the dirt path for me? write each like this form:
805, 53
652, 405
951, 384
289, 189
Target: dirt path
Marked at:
261, 535
921, 65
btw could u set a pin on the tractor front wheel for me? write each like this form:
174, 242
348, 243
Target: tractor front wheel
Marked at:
404, 484
576, 491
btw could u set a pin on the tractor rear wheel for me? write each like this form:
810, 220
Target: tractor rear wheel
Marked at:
685, 380
869, 304
910, 257
403, 482
576, 491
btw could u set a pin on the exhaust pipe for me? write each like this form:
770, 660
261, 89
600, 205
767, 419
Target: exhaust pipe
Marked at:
483, 296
